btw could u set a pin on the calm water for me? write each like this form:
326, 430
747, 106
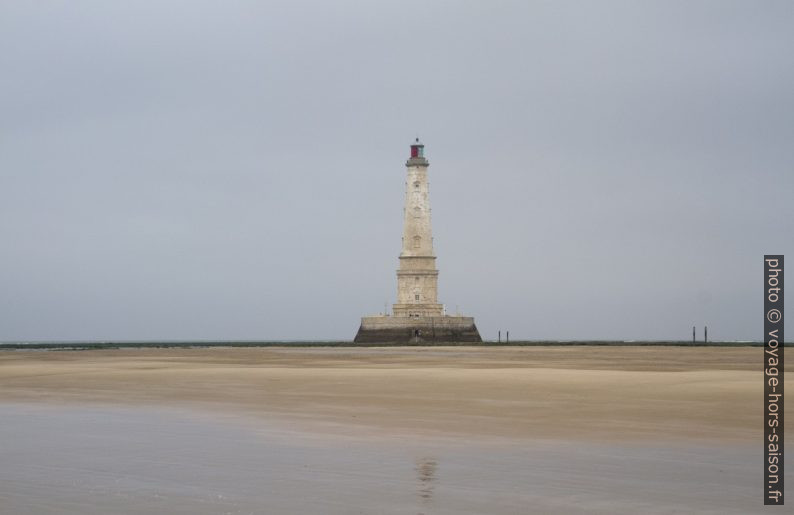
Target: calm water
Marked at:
92, 460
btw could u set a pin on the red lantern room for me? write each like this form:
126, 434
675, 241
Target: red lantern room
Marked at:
417, 155
417, 150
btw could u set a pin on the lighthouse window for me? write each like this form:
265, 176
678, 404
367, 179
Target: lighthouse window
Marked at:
416, 297
417, 242
416, 184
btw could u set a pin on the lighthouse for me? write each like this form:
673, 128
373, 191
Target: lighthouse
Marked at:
417, 278
417, 317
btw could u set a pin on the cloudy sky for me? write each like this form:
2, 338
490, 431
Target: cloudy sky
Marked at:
234, 169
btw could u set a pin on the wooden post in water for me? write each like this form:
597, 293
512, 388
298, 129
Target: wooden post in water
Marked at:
693, 334
705, 334
507, 338
500, 337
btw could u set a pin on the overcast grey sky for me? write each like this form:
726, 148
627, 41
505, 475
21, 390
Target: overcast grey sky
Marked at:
234, 169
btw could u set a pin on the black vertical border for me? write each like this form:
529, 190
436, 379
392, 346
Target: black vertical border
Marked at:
773, 380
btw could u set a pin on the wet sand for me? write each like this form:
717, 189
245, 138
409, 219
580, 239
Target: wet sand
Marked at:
391, 430
579, 392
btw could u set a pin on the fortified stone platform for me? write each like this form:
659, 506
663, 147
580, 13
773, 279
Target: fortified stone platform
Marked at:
397, 330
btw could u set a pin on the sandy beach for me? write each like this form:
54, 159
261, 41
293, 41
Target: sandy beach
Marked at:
529, 392
566, 429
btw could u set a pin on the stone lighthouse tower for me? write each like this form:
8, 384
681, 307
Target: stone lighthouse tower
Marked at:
417, 316
417, 278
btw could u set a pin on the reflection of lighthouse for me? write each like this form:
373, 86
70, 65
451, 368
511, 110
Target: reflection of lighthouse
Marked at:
417, 315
